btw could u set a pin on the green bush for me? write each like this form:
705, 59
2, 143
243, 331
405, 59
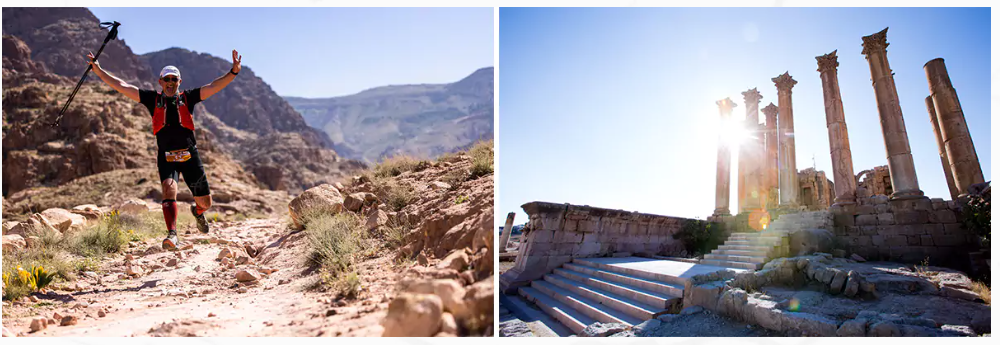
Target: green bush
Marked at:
701, 237
976, 218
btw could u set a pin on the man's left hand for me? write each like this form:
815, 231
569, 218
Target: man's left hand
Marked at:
236, 61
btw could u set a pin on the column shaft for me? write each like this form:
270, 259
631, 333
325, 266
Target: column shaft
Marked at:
897, 144
952, 187
788, 173
844, 185
749, 153
507, 229
771, 155
954, 131
722, 164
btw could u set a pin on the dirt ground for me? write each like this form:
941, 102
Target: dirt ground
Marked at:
202, 297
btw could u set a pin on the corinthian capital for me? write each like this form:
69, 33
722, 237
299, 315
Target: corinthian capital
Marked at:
726, 106
827, 62
874, 43
751, 97
784, 82
770, 111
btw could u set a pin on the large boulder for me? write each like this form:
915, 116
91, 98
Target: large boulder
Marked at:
452, 293
36, 225
65, 220
322, 198
132, 207
808, 241
13, 243
413, 315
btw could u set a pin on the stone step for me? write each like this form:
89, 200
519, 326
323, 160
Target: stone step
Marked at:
572, 319
657, 287
588, 307
734, 264
658, 277
651, 298
720, 251
620, 303
745, 248
739, 258
754, 242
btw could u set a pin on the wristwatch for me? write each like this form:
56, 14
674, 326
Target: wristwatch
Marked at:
234, 73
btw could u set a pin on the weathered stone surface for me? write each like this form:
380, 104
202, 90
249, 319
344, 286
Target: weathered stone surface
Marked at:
884, 329
247, 276
810, 324
646, 326
14, 243
598, 329
457, 260
450, 292
852, 328
322, 198
38, 323
808, 241
413, 315
65, 220
837, 284
354, 202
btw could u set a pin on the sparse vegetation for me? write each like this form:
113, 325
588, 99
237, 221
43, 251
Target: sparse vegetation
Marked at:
19, 282
335, 241
397, 165
461, 199
982, 290
112, 234
482, 159
394, 193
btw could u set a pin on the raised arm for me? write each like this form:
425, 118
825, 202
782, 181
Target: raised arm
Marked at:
220, 83
119, 85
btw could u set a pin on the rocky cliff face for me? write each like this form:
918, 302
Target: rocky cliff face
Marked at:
419, 120
61, 37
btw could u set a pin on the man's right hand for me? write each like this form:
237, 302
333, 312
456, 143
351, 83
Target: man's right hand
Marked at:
94, 64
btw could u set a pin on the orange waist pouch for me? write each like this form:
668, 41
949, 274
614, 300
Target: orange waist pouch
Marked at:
178, 156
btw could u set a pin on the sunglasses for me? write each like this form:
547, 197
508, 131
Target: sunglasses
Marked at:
170, 79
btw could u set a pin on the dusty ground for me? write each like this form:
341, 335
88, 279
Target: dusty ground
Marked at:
201, 297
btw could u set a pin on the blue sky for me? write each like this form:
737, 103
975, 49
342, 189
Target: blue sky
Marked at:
616, 108
322, 52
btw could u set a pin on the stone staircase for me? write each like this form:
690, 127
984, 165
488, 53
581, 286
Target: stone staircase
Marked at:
752, 250
606, 290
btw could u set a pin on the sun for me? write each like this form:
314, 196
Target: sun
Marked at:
735, 134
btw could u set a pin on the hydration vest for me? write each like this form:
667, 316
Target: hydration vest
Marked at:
160, 113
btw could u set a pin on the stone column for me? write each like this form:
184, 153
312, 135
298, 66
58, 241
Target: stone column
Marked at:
952, 187
507, 229
844, 185
752, 190
722, 165
902, 173
771, 148
788, 174
961, 153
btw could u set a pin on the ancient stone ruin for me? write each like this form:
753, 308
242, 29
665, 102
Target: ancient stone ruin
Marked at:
862, 255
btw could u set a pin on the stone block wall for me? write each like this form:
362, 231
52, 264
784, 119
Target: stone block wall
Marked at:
908, 231
558, 233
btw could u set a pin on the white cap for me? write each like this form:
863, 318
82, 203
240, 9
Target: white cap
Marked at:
170, 70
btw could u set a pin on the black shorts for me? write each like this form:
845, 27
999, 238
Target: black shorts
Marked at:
192, 169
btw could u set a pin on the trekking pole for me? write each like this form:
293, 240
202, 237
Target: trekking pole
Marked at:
113, 34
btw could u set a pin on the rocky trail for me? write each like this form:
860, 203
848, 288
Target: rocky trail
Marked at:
194, 292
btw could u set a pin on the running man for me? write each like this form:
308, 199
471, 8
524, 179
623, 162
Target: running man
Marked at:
177, 152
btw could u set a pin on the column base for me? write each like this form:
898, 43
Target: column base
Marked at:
907, 194
721, 212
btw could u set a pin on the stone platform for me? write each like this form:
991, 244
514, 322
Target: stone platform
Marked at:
627, 290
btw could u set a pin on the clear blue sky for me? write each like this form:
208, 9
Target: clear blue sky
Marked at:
322, 52
616, 107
